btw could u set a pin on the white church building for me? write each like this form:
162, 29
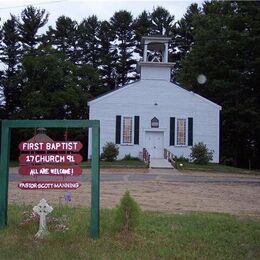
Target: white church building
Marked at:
154, 113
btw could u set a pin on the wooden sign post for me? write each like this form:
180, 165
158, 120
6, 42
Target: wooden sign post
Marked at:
7, 125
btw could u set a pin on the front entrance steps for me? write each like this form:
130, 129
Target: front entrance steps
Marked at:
160, 164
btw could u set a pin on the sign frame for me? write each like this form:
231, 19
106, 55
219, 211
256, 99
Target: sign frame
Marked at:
7, 125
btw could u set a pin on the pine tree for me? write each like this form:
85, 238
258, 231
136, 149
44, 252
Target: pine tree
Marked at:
88, 41
142, 27
108, 55
183, 37
10, 46
32, 19
222, 36
64, 37
122, 26
162, 21
10, 54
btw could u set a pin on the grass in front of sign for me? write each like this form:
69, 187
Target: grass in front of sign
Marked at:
214, 167
118, 164
159, 235
104, 164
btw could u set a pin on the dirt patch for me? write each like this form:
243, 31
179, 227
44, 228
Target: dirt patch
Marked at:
157, 196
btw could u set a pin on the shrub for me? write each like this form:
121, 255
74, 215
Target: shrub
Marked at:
128, 157
127, 214
200, 154
110, 151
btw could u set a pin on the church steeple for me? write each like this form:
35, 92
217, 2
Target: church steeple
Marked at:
154, 64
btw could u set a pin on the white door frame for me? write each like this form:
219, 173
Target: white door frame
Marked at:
156, 130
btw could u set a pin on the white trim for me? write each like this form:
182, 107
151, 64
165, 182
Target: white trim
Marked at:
156, 64
159, 39
154, 129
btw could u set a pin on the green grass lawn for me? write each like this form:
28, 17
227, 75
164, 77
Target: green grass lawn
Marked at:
159, 236
213, 167
104, 164
118, 164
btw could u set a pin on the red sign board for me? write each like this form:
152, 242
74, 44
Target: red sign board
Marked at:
47, 185
72, 146
49, 158
50, 170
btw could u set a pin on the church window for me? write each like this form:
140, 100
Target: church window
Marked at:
181, 131
154, 123
127, 130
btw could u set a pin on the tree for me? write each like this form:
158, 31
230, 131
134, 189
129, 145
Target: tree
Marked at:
162, 21
127, 214
121, 24
108, 56
10, 54
32, 19
53, 86
222, 36
200, 154
88, 33
142, 26
10, 45
64, 37
182, 34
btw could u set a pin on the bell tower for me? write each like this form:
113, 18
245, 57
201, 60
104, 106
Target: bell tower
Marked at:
154, 64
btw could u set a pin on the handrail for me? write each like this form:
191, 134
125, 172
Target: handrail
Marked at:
146, 157
169, 156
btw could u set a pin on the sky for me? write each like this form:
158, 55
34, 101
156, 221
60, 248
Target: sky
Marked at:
80, 9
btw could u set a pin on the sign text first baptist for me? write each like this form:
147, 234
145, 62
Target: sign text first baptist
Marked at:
51, 146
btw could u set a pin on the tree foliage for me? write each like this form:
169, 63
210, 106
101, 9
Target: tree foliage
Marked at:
162, 21
110, 151
64, 37
88, 32
10, 54
200, 154
53, 86
127, 214
222, 35
32, 19
122, 25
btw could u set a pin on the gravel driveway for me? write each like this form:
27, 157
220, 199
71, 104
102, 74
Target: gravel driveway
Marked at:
158, 190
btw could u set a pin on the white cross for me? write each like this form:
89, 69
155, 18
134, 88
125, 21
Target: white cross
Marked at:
42, 209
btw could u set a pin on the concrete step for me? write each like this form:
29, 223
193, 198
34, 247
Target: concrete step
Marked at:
160, 164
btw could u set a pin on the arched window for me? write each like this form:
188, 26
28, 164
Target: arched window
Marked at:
154, 123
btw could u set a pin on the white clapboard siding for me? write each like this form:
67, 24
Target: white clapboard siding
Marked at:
139, 99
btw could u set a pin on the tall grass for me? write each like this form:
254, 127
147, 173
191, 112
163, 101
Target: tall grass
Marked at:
158, 236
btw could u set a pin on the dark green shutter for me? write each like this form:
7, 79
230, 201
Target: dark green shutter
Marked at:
118, 129
190, 131
136, 127
172, 130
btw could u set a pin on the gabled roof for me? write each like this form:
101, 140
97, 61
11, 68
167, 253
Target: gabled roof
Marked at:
41, 136
174, 83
